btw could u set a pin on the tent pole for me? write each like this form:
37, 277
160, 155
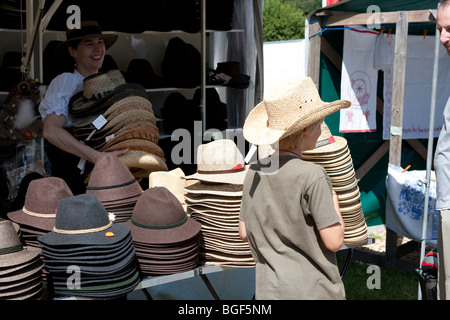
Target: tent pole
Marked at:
31, 38
429, 150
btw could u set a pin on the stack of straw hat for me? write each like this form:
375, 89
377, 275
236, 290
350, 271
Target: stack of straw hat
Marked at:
110, 114
333, 154
114, 185
87, 255
20, 267
214, 200
166, 240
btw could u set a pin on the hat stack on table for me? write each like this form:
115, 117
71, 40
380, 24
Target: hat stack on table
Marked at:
215, 199
110, 114
166, 240
37, 217
333, 154
114, 185
20, 267
86, 254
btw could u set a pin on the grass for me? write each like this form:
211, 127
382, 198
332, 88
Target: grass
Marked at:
393, 284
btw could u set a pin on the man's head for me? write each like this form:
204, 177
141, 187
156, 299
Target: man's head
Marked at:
443, 24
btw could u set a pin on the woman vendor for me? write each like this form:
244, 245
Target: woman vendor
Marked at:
86, 47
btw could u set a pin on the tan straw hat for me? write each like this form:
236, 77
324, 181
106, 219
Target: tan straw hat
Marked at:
220, 161
174, 180
141, 163
287, 108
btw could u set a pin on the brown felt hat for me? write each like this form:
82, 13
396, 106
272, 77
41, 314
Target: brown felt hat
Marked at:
41, 203
88, 29
159, 218
111, 181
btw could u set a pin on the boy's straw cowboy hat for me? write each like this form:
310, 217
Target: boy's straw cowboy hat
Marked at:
286, 109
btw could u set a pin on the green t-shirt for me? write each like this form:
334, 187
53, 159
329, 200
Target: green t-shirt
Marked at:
283, 207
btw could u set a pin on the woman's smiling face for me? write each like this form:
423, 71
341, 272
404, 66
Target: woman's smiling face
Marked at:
89, 55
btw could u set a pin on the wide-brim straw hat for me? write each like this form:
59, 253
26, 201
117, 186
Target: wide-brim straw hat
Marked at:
149, 132
101, 91
130, 102
137, 144
159, 218
41, 202
220, 161
287, 108
142, 163
88, 30
174, 180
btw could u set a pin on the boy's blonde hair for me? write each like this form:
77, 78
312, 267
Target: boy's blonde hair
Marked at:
292, 141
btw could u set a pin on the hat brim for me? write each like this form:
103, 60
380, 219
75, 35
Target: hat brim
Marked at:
20, 217
186, 231
217, 189
79, 106
256, 130
16, 258
99, 238
231, 178
141, 163
108, 39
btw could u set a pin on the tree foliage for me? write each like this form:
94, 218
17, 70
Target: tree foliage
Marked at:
285, 19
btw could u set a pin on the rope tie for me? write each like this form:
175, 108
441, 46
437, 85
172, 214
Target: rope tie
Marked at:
81, 231
36, 214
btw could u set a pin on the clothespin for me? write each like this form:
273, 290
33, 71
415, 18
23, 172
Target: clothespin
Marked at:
407, 167
424, 33
382, 30
389, 32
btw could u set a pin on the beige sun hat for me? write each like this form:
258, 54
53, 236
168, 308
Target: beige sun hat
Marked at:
220, 161
141, 163
174, 180
287, 108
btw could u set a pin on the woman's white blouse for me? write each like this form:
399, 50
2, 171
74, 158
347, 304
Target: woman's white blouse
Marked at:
58, 94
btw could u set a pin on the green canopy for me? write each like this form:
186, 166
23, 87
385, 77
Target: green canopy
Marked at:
384, 5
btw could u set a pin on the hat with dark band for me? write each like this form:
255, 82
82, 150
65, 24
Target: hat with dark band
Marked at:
88, 30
